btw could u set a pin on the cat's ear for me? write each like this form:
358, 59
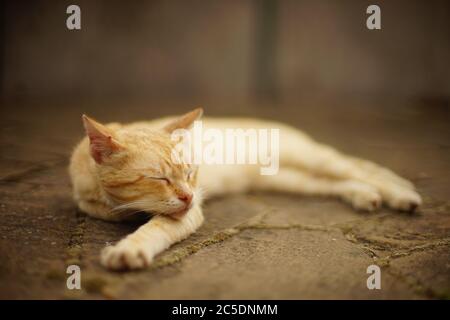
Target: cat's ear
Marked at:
185, 121
101, 139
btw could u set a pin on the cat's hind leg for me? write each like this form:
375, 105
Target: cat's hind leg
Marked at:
385, 173
360, 195
305, 154
398, 193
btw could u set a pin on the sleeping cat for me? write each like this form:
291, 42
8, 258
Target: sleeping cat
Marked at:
120, 170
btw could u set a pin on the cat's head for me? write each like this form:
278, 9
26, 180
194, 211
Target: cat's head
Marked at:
135, 167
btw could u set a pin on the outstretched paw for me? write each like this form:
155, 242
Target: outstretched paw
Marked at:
404, 200
365, 197
125, 256
367, 201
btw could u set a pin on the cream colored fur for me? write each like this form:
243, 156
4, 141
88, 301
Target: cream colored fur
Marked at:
306, 167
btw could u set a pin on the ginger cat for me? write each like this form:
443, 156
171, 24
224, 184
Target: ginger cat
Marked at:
119, 170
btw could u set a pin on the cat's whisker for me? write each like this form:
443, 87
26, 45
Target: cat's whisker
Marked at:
128, 205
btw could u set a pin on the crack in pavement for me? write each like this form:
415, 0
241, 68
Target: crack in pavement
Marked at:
385, 261
75, 246
181, 253
257, 222
370, 245
254, 223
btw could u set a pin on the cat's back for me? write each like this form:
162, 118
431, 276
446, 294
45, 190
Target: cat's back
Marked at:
220, 123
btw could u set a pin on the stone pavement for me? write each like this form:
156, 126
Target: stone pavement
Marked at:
253, 246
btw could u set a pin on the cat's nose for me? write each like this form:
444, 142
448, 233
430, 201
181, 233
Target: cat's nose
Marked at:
186, 197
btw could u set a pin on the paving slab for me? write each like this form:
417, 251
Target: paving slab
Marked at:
252, 246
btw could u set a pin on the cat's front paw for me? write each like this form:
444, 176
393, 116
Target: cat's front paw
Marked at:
126, 256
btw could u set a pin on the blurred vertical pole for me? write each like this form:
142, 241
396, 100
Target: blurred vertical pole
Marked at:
265, 55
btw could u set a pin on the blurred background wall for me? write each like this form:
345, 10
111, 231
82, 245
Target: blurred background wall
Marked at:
235, 50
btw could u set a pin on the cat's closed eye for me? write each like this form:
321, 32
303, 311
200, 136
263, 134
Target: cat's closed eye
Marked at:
163, 179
